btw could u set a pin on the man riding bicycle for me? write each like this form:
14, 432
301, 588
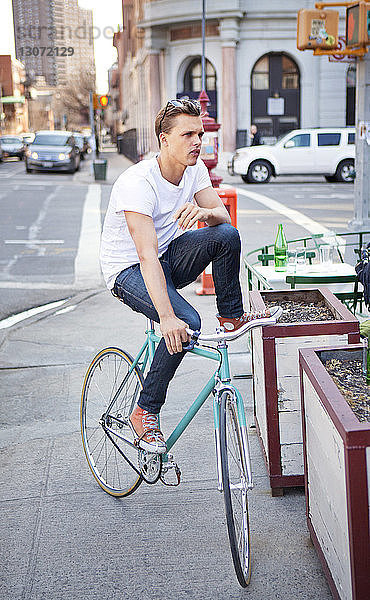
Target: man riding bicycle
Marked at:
149, 251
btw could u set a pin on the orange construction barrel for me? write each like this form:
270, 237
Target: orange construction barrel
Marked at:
229, 198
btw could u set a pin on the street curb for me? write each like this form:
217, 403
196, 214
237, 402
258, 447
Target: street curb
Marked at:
75, 299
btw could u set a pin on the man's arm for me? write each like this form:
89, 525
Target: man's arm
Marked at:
209, 209
142, 231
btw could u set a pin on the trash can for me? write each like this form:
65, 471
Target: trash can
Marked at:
100, 169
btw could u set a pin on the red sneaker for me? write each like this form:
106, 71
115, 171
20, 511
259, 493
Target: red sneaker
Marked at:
234, 323
145, 426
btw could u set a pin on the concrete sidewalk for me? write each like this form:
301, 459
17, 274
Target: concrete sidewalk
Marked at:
117, 163
64, 538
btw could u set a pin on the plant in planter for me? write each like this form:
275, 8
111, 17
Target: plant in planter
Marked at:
310, 318
336, 431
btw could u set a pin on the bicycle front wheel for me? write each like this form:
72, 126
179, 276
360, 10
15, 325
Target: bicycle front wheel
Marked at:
109, 395
234, 481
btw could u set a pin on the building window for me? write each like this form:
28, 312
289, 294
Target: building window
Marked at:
193, 76
290, 75
260, 75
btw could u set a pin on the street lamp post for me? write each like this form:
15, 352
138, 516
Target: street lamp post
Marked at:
210, 140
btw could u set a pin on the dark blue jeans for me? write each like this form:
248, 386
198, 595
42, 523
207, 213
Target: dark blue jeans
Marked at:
186, 257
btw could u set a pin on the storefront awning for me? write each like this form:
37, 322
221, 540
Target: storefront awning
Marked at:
12, 100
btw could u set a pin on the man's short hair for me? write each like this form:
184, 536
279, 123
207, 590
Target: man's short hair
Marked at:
164, 121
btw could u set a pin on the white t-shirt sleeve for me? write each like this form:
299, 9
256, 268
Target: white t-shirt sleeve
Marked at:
134, 194
202, 179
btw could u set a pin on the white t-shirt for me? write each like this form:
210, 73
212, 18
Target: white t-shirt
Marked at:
142, 189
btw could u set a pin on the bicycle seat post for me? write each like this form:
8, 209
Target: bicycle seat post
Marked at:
149, 324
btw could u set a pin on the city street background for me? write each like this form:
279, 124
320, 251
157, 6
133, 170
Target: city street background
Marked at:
48, 207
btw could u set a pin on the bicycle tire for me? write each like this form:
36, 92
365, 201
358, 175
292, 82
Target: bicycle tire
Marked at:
233, 472
111, 470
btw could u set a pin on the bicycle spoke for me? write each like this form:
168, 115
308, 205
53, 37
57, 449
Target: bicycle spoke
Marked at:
234, 478
107, 374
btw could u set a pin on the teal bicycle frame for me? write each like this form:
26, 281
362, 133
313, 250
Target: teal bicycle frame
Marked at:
218, 383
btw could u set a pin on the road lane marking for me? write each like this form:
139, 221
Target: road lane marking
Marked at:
37, 285
332, 196
33, 232
10, 321
297, 217
34, 242
67, 309
87, 265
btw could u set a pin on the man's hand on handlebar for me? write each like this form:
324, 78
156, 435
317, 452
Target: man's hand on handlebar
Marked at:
174, 333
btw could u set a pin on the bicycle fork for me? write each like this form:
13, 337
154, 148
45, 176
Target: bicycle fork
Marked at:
237, 399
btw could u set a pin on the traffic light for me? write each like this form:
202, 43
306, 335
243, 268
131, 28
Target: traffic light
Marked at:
100, 101
358, 25
317, 29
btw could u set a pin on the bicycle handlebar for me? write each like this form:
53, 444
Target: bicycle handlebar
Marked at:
221, 335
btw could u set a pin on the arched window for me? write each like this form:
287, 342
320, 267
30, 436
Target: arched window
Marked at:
192, 83
193, 76
290, 75
260, 75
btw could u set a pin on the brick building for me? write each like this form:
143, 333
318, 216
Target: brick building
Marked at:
13, 105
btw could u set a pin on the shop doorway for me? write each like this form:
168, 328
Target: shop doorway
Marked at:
275, 88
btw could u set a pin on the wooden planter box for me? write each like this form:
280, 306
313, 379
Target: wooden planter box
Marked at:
337, 476
276, 387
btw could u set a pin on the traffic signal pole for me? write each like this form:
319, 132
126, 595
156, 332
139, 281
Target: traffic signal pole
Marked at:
361, 218
92, 125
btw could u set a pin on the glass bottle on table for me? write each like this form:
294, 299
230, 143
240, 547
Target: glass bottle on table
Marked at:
280, 250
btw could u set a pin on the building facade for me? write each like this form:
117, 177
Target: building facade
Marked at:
13, 104
254, 72
54, 39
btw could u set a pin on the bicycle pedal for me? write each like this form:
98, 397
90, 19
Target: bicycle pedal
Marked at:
165, 470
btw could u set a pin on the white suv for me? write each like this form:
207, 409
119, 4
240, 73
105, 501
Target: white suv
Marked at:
329, 152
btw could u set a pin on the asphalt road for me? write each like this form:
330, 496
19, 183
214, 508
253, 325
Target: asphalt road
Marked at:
42, 213
41, 234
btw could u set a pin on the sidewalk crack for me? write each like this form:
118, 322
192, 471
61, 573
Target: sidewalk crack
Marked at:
34, 550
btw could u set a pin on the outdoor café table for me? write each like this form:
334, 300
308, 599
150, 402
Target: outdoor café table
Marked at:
277, 279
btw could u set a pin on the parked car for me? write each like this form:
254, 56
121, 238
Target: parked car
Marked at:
329, 152
53, 151
27, 137
80, 141
87, 144
12, 145
1, 153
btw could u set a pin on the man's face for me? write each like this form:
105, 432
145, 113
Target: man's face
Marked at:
184, 140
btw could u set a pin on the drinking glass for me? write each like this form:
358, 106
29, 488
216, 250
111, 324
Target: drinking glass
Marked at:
291, 261
326, 255
300, 259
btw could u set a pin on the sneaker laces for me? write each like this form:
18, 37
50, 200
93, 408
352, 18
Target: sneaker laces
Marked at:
151, 426
254, 315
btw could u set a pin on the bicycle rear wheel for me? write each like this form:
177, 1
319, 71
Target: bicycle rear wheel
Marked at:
109, 395
234, 480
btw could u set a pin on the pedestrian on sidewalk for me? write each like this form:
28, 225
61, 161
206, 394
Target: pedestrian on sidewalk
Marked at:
149, 251
255, 136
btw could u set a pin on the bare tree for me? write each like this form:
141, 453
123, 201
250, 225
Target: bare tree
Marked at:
74, 99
